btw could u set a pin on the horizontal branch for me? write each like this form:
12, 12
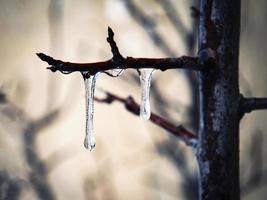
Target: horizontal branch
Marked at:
118, 61
129, 62
248, 105
178, 131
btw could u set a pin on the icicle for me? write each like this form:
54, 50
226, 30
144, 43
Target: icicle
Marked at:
89, 141
115, 72
145, 79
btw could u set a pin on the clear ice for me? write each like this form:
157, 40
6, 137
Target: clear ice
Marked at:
145, 79
115, 72
89, 141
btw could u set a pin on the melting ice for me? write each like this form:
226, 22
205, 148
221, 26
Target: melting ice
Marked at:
145, 79
89, 141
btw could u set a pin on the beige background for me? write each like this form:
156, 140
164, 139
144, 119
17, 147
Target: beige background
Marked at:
126, 163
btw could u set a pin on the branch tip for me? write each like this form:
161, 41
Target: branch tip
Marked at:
41, 56
110, 32
114, 48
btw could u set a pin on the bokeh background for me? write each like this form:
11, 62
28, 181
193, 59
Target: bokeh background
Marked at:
42, 114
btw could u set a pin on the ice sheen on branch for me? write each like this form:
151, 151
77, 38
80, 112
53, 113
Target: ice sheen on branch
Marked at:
115, 67
90, 82
145, 80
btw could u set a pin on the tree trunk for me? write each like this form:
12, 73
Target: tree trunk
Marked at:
218, 148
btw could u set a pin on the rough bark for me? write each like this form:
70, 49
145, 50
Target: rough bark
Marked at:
218, 147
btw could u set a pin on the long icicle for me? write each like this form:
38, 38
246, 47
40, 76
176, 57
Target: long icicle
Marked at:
145, 80
90, 81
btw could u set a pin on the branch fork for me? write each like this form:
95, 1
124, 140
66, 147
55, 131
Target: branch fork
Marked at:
120, 62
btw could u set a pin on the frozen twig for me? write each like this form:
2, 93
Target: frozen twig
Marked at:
118, 61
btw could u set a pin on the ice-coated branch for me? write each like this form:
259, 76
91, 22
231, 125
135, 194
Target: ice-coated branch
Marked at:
118, 61
248, 105
129, 103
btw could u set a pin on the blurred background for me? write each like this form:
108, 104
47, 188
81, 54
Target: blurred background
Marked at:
42, 114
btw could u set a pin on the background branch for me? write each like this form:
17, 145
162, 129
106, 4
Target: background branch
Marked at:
149, 25
176, 21
179, 131
258, 175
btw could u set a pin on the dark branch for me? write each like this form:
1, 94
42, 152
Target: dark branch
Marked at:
248, 105
114, 49
178, 131
129, 62
118, 61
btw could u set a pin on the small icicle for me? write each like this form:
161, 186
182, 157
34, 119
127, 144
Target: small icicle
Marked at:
89, 141
115, 72
145, 79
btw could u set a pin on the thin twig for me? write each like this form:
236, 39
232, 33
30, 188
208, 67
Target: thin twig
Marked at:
114, 48
118, 61
248, 105
179, 131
